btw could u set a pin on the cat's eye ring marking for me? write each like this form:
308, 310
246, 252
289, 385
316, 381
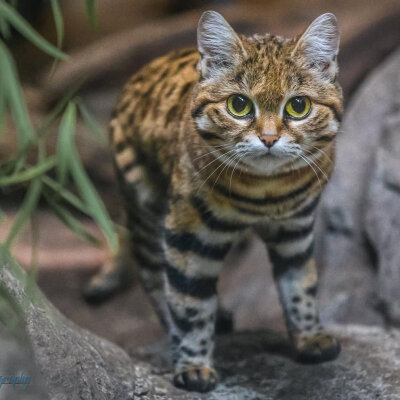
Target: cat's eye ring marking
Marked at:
239, 106
298, 107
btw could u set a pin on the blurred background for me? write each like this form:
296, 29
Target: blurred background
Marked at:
359, 277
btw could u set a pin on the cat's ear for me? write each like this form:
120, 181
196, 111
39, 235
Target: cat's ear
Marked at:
319, 45
219, 46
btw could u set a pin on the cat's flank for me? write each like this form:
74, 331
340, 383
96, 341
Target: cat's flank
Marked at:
208, 142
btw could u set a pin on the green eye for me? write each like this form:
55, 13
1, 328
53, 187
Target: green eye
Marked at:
298, 107
239, 106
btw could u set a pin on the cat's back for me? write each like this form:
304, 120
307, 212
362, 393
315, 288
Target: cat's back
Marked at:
156, 95
145, 123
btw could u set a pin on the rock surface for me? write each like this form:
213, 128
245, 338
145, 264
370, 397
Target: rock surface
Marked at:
357, 200
75, 364
256, 366
383, 215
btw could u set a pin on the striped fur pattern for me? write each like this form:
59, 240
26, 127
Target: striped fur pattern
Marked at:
194, 178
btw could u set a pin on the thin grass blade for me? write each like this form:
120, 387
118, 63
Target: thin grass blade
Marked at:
26, 30
91, 13
95, 205
52, 117
58, 21
27, 208
2, 110
13, 93
71, 222
98, 132
65, 142
4, 28
30, 173
68, 196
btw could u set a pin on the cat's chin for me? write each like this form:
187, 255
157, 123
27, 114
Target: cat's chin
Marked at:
268, 163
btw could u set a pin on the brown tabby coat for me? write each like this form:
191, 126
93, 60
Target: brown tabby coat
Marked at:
194, 177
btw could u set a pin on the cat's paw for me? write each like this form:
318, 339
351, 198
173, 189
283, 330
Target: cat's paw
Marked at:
318, 348
196, 378
100, 289
109, 281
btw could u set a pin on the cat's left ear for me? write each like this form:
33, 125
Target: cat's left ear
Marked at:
219, 46
319, 45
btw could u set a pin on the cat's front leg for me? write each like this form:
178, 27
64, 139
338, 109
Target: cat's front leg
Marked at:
194, 256
290, 250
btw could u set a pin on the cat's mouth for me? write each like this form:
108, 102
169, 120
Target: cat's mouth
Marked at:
268, 153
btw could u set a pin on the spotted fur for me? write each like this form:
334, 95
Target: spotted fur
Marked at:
194, 178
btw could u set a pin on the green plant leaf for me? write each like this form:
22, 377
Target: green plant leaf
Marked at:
4, 28
71, 222
30, 173
2, 109
91, 12
65, 142
25, 29
93, 201
58, 21
52, 117
59, 24
27, 208
13, 93
91, 122
65, 194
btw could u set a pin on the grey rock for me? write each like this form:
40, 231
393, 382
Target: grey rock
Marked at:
349, 290
72, 362
382, 221
255, 365
16, 361
75, 364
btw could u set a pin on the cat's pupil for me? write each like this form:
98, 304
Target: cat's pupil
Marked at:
298, 104
239, 103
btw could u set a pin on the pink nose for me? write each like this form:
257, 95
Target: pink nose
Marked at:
269, 140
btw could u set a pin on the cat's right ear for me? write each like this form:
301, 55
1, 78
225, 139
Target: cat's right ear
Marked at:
219, 46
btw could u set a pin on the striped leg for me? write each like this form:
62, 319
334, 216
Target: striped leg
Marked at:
194, 260
144, 192
290, 248
145, 225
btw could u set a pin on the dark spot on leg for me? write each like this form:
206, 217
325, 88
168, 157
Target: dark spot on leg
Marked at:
191, 312
200, 324
176, 339
189, 352
296, 299
308, 327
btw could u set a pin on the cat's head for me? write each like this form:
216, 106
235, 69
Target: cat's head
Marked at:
269, 99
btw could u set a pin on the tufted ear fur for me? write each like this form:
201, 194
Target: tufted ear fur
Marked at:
219, 46
319, 46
